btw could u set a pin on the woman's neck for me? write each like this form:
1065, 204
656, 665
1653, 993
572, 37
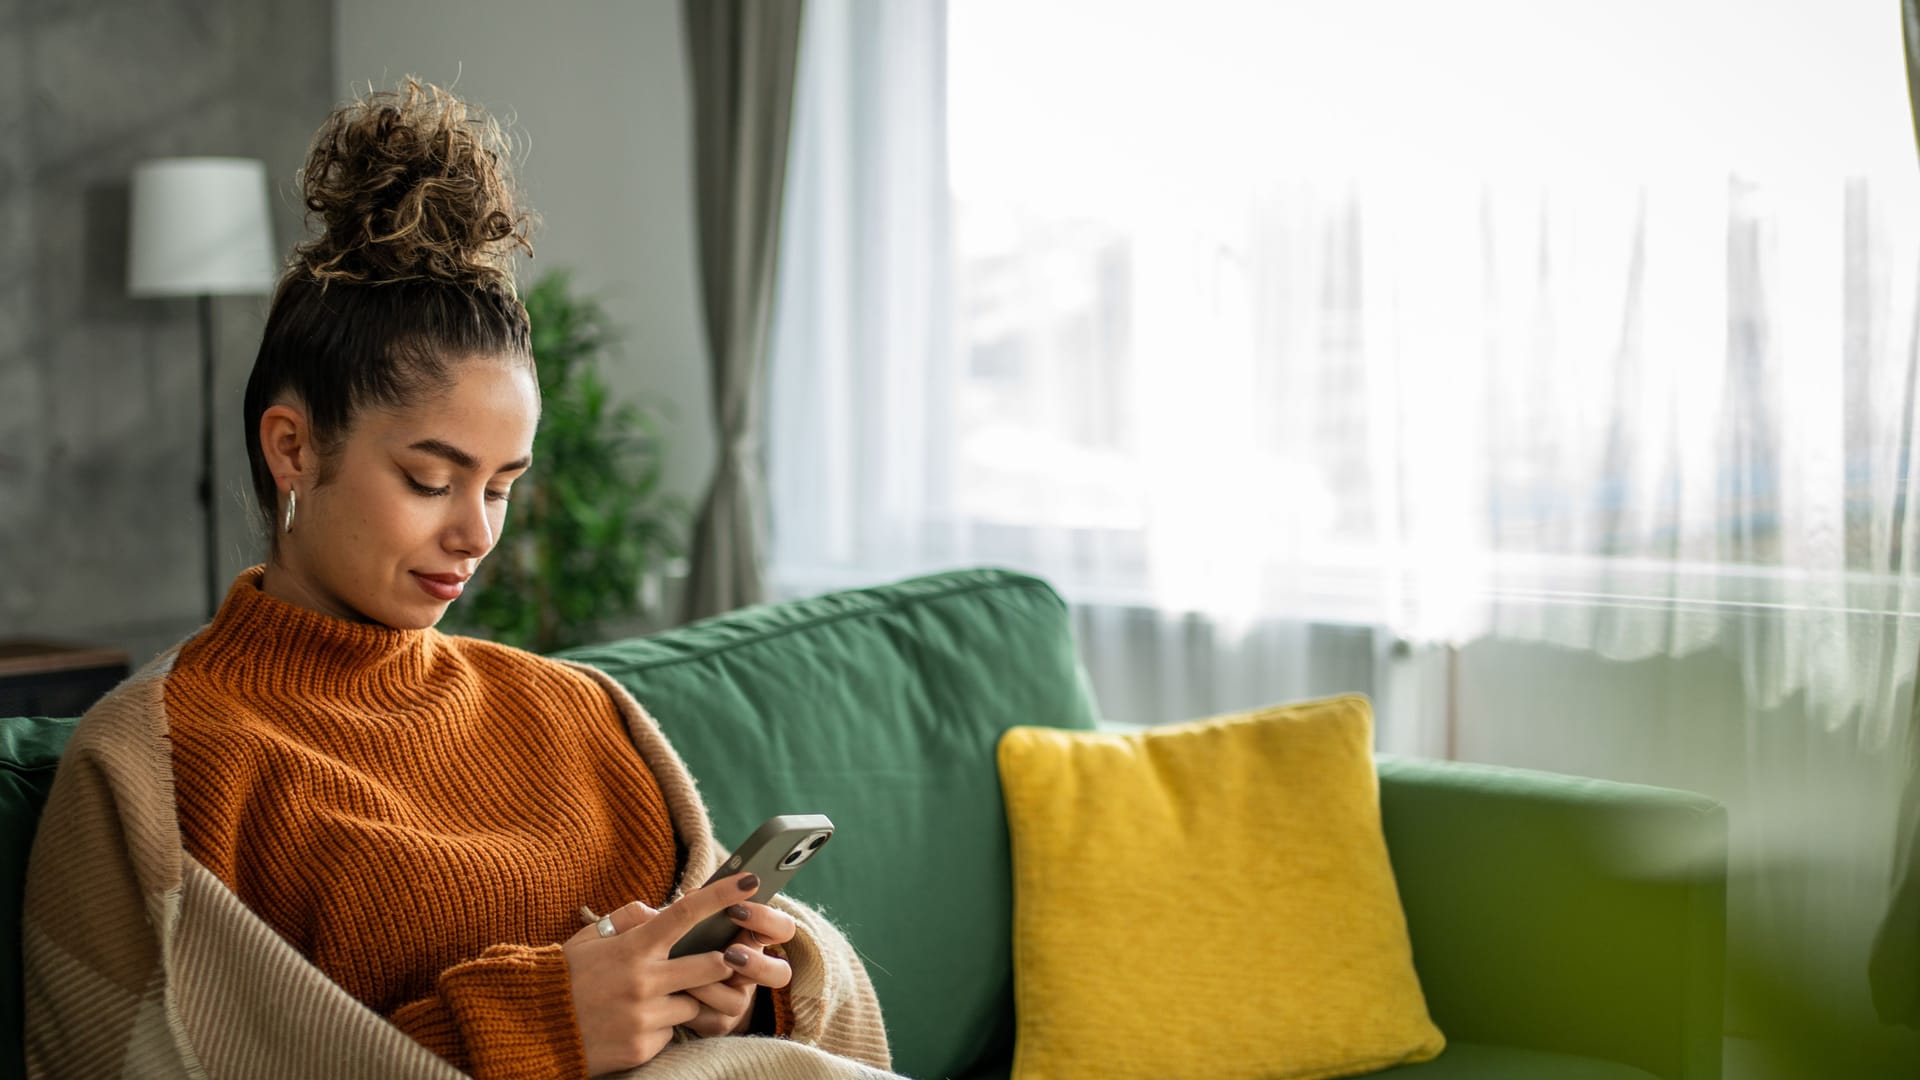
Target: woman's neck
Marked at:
290, 586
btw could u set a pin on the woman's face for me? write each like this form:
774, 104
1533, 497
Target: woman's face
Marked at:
417, 497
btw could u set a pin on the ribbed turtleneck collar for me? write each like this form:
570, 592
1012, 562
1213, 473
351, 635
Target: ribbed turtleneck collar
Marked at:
259, 640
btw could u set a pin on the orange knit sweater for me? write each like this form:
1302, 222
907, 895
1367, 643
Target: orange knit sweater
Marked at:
421, 815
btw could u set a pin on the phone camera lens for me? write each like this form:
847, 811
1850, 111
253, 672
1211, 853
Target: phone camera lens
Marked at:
817, 841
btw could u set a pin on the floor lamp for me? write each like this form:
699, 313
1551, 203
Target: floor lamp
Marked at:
199, 227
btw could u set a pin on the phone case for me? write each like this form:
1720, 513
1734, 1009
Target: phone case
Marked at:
765, 854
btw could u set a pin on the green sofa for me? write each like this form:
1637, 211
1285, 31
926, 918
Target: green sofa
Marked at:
1562, 927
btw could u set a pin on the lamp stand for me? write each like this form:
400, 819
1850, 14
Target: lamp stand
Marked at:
207, 508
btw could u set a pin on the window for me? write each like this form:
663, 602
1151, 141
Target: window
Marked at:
1358, 314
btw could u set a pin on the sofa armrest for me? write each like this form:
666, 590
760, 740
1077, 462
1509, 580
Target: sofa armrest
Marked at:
1547, 911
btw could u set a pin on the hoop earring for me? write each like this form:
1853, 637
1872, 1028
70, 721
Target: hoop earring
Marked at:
290, 502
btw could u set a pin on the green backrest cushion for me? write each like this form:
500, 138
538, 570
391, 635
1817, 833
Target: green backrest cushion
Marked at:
29, 749
880, 708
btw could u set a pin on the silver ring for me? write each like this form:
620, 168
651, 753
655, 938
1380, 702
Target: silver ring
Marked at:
605, 926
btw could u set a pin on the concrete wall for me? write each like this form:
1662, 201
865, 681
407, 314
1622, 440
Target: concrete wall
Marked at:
100, 401
100, 395
599, 91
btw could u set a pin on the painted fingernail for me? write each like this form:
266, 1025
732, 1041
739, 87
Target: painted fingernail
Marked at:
738, 913
736, 956
750, 883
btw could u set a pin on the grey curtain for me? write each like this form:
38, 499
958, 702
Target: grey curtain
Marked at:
1894, 968
742, 55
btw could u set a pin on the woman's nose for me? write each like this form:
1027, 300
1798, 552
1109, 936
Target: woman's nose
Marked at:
472, 532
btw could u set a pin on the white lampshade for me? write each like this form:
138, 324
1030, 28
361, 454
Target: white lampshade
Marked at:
199, 226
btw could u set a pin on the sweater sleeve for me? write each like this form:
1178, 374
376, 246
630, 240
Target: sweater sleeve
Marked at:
782, 1002
831, 1004
506, 1013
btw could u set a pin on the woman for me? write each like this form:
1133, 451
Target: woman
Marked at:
321, 836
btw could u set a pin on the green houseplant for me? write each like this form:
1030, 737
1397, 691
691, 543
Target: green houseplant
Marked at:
589, 523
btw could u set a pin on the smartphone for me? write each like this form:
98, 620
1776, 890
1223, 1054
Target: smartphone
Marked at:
775, 852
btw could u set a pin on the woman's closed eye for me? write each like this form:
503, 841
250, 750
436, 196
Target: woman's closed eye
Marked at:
422, 489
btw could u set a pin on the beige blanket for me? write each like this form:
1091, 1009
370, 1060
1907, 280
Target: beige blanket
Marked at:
140, 962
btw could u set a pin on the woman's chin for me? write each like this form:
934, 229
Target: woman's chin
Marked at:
428, 622
415, 615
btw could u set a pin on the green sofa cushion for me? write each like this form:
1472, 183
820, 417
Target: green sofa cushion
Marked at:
881, 708
29, 750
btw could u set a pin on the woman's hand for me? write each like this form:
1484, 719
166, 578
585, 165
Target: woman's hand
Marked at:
627, 994
727, 1004
726, 1008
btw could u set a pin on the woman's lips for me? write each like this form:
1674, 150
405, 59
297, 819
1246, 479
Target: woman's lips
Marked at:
445, 587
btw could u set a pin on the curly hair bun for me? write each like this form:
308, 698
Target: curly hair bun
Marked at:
411, 184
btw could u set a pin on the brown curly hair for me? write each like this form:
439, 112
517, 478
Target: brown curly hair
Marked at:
410, 274
410, 184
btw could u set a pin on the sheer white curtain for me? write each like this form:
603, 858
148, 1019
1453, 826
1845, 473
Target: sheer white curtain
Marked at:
861, 356
1247, 318
884, 459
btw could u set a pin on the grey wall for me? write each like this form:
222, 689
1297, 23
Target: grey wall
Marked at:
100, 394
598, 89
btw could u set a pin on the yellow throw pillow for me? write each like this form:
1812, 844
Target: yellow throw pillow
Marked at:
1209, 899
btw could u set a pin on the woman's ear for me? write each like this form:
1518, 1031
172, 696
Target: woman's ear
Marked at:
286, 441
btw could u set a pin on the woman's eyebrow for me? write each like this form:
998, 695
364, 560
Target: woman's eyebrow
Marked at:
443, 449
